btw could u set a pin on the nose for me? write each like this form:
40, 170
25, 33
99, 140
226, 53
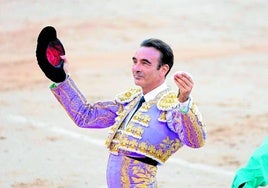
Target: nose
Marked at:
136, 67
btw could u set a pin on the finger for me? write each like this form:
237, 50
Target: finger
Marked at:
184, 82
183, 74
186, 77
181, 83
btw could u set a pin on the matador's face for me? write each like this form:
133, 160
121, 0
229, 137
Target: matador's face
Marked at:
145, 69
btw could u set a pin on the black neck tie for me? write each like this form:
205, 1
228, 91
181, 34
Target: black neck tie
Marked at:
142, 100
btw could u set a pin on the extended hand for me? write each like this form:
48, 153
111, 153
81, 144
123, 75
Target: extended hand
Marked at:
185, 84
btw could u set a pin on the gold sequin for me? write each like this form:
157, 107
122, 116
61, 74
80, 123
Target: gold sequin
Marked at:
128, 95
168, 101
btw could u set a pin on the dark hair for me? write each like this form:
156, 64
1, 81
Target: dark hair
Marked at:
166, 53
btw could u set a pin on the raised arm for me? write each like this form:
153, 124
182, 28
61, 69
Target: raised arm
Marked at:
98, 115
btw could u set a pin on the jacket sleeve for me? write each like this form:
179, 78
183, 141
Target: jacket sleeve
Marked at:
188, 126
98, 115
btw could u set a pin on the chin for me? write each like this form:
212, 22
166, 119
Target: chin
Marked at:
137, 83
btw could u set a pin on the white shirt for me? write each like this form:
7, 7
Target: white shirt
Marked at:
183, 107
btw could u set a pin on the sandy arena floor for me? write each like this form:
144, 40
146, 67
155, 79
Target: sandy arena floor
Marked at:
223, 44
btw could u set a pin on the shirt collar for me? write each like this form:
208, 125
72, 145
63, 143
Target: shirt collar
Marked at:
152, 94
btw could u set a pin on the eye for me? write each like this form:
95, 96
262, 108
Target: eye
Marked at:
146, 62
134, 60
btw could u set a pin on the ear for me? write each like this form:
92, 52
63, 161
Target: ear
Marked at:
164, 69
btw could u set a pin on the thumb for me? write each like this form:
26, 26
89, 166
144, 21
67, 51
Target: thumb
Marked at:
65, 64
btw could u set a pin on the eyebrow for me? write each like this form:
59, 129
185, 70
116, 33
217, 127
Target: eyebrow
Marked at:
146, 60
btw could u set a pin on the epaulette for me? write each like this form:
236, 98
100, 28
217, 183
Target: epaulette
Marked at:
168, 101
127, 96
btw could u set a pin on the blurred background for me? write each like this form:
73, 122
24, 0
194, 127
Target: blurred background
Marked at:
222, 43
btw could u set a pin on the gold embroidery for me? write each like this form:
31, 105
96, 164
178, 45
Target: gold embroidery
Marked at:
138, 132
129, 128
145, 106
117, 136
166, 155
142, 119
143, 147
120, 110
134, 131
125, 181
137, 173
160, 152
114, 147
151, 149
128, 95
124, 141
143, 176
162, 117
133, 144
196, 138
130, 138
168, 101
118, 122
